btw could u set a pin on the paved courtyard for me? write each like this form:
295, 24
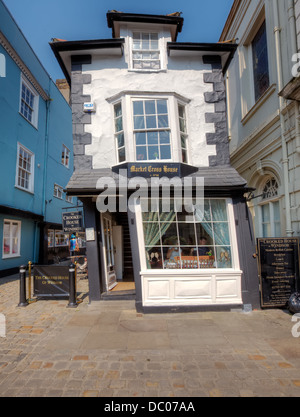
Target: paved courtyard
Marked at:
107, 349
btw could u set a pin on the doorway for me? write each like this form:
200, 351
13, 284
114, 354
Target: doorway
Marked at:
117, 257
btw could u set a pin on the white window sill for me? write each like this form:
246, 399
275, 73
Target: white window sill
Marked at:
24, 189
11, 256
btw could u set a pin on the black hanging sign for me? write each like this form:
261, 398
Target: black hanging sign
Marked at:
278, 260
51, 281
72, 222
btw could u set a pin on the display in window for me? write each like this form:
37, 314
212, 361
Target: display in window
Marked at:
181, 240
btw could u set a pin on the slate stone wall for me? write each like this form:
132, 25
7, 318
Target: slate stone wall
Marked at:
80, 119
219, 117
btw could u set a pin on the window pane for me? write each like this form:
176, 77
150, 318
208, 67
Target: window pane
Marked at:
266, 213
163, 121
221, 233
120, 138
164, 137
145, 41
276, 209
154, 257
141, 153
202, 214
151, 122
153, 152
6, 230
223, 257
187, 234
122, 156
139, 122
182, 125
169, 237
165, 152
119, 124
162, 107
140, 138
150, 107
260, 62
204, 234
138, 108
118, 110
266, 230
152, 138
218, 209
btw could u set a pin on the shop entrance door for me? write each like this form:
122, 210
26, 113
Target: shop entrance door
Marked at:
109, 256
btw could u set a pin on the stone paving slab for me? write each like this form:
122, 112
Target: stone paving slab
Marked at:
107, 349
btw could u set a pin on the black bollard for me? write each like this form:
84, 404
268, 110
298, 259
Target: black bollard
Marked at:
23, 302
72, 284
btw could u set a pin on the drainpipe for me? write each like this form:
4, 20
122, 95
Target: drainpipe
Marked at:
44, 206
228, 108
294, 50
285, 160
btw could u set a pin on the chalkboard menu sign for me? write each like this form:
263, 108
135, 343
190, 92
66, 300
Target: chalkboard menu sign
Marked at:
278, 269
51, 281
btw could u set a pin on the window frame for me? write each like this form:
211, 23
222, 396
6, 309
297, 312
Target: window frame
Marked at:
34, 108
65, 239
65, 160
160, 50
183, 133
18, 253
149, 130
258, 29
58, 187
30, 188
270, 202
117, 133
51, 238
235, 266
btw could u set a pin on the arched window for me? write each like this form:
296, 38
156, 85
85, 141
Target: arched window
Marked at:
271, 189
270, 209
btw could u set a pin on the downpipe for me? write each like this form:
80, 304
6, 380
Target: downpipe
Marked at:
294, 50
285, 160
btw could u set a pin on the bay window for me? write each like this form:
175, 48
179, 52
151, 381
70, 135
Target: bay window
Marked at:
150, 128
183, 240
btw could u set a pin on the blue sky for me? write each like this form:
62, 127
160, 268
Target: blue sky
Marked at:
41, 20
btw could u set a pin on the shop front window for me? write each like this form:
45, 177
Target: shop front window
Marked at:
181, 240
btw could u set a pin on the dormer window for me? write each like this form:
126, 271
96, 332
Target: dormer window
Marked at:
145, 51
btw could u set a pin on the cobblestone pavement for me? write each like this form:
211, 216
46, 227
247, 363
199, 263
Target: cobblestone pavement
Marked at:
107, 349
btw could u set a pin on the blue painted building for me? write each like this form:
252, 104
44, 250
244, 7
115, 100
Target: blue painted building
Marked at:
36, 154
